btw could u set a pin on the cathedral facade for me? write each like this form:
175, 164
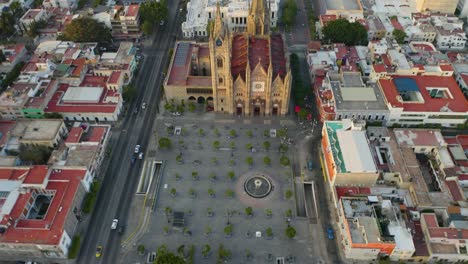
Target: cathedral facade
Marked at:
244, 73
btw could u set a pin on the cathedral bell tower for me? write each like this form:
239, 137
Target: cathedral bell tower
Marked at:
258, 22
220, 50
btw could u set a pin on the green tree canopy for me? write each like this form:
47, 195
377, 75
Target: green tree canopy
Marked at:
151, 12
289, 13
7, 24
342, 31
165, 257
86, 29
2, 56
399, 35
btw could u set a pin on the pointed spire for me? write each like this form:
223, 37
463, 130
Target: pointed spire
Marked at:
218, 26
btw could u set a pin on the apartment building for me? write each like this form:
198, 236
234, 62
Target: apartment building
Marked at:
125, 22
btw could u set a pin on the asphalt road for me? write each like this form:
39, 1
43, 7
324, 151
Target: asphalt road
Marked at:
120, 180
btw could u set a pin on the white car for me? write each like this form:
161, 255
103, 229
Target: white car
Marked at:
137, 149
143, 105
114, 224
140, 156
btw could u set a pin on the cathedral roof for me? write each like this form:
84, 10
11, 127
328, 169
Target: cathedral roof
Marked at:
258, 50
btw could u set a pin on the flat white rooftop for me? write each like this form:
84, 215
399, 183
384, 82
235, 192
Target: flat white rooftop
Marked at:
356, 152
83, 94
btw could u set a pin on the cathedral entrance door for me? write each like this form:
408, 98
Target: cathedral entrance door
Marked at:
256, 110
239, 111
275, 110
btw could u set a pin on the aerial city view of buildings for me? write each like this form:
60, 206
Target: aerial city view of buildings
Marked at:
233, 131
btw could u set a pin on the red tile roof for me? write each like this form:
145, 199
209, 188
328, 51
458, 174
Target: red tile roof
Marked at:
456, 104
133, 10
37, 175
352, 191
325, 19
423, 47
5, 128
278, 59
17, 48
379, 68
397, 24
259, 52
97, 134
239, 56
28, 175
49, 229
114, 77
446, 67
56, 105
455, 190
74, 135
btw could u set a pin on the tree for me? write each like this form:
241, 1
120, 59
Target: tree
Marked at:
249, 211
249, 161
399, 35
249, 146
164, 142
302, 113
216, 144
206, 250
12, 75
266, 145
86, 29
288, 194
290, 232
173, 192
269, 232
289, 13
228, 230
231, 175
2, 56
267, 160
223, 254
201, 132
34, 154
195, 175
151, 12
268, 212
141, 249
216, 132
7, 24
211, 192
343, 31
229, 193
249, 133
129, 92
53, 116
284, 161
232, 133
164, 257
16, 9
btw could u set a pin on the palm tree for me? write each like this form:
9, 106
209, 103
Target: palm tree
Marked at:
267, 160
228, 230
290, 232
194, 175
249, 161
288, 194
269, 232
232, 133
266, 145
206, 250
216, 144
249, 211
249, 133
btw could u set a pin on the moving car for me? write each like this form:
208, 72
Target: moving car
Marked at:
98, 251
143, 105
140, 156
330, 233
137, 149
114, 224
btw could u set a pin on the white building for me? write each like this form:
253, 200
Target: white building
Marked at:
70, 4
419, 100
233, 12
450, 33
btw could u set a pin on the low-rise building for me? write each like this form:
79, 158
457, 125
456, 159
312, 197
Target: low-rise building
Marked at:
393, 7
92, 101
347, 9
40, 211
418, 100
125, 21
442, 6
375, 28
47, 132
32, 15
14, 53
450, 32
345, 95
445, 243
68, 4
341, 140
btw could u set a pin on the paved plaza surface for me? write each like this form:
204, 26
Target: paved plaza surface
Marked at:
199, 157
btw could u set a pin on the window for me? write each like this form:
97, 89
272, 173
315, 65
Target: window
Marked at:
272, 14
219, 61
220, 80
232, 20
209, 15
222, 100
222, 109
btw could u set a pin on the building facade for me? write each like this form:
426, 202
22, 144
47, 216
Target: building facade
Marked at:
236, 73
234, 14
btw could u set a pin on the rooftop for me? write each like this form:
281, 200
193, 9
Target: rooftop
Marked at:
424, 93
343, 5
419, 137
62, 185
37, 129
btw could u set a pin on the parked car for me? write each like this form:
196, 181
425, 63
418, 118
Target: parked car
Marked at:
137, 149
99, 252
115, 222
330, 233
143, 105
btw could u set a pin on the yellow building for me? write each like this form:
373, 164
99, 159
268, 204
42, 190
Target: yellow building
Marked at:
242, 73
443, 6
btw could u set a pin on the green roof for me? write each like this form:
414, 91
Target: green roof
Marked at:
332, 127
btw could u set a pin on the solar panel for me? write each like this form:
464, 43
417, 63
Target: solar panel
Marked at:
181, 53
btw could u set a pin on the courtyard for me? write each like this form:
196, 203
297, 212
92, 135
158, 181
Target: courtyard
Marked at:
203, 205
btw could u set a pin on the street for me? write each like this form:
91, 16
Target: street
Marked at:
120, 179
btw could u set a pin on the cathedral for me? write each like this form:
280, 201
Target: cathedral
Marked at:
239, 73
